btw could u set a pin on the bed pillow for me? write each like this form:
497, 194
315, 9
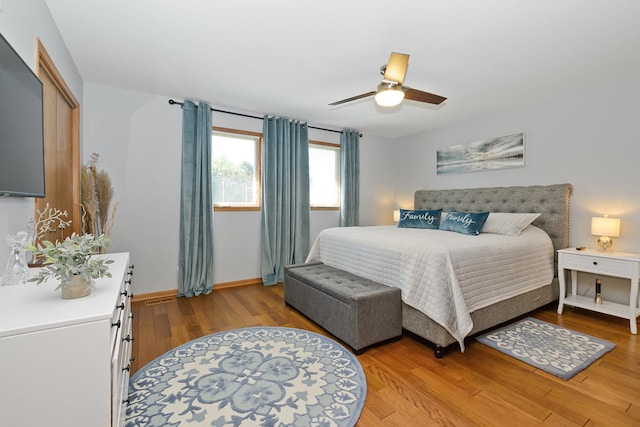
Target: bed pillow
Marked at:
419, 219
510, 224
464, 222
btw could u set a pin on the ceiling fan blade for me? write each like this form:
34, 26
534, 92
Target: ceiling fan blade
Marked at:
353, 98
396, 67
420, 96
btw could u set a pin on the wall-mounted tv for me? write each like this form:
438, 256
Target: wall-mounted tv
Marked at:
21, 127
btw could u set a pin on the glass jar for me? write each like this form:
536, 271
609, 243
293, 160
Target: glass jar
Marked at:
17, 270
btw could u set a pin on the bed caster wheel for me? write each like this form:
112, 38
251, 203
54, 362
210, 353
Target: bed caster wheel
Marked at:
439, 352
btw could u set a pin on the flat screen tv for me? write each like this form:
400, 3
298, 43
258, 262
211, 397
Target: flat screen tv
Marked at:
21, 127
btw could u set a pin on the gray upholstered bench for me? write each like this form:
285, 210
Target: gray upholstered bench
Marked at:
358, 311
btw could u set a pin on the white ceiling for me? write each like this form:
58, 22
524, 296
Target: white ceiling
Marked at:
294, 57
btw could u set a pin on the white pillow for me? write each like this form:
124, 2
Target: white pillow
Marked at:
510, 224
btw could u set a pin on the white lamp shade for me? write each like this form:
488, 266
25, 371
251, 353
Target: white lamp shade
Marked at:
605, 226
396, 215
389, 97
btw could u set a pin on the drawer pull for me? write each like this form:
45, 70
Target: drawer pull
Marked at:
127, 401
127, 368
117, 324
128, 282
131, 316
133, 359
595, 262
128, 338
121, 306
124, 293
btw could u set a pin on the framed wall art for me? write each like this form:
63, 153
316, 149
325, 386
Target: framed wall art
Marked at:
488, 154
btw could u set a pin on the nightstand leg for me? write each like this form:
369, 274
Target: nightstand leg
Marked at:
563, 290
633, 304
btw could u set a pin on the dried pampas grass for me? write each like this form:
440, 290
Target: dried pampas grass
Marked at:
97, 194
89, 200
104, 191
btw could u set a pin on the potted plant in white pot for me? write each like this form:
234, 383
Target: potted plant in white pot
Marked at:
73, 263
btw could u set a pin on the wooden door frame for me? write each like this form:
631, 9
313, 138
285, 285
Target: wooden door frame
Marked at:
43, 60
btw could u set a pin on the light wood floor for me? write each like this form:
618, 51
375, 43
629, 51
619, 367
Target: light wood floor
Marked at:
407, 386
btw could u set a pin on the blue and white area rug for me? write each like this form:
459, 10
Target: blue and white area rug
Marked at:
263, 376
554, 349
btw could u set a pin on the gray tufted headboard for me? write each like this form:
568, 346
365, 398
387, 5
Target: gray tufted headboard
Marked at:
551, 201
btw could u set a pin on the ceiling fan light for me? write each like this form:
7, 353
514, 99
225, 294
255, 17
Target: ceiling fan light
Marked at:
389, 96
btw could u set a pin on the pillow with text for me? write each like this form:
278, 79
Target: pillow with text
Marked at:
470, 223
420, 218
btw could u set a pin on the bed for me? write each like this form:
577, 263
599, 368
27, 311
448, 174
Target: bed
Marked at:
444, 317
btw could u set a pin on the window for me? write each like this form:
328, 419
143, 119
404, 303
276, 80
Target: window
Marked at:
324, 175
235, 163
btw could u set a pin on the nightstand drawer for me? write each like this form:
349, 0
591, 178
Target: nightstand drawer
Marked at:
598, 264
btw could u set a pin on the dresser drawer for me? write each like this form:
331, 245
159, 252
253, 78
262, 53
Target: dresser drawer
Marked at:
120, 371
121, 335
122, 309
596, 264
118, 320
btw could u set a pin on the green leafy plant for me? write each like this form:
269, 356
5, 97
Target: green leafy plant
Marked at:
72, 257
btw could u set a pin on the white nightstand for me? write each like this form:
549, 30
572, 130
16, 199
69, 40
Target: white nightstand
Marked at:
617, 264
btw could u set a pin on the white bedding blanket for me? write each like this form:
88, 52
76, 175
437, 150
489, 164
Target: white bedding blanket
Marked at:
443, 274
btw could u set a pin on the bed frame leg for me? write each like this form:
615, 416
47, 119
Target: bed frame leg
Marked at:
439, 352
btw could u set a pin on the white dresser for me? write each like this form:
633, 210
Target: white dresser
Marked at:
65, 363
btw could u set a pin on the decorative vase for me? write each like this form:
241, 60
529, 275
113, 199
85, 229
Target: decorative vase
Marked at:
77, 289
17, 270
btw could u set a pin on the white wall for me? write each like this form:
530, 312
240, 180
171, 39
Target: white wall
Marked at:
591, 140
138, 137
134, 134
377, 185
21, 21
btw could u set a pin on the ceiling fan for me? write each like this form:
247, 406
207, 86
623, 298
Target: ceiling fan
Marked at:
390, 91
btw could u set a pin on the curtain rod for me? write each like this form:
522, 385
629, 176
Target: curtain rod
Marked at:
172, 102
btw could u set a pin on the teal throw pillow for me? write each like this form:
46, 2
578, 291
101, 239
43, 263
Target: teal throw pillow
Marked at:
420, 219
464, 222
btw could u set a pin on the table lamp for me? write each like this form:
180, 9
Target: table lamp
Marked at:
606, 228
396, 215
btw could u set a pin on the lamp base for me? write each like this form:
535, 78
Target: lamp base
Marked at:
604, 243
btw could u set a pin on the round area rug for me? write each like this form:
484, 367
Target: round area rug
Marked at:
262, 376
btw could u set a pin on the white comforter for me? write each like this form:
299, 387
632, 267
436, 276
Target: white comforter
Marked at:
443, 274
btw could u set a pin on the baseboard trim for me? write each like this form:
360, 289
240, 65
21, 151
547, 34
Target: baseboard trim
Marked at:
155, 296
254, 281
163, 296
